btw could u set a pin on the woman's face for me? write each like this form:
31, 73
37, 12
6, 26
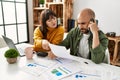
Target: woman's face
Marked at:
52, 22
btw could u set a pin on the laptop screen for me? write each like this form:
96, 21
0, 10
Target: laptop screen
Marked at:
9, 42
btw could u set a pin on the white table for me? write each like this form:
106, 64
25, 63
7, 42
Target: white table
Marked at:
14, 72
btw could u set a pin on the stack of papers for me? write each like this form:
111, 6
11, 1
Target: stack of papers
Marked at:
52, 69
68, 67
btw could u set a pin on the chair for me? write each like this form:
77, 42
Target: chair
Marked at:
2, 42
107, 57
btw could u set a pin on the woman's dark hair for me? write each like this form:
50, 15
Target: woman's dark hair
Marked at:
44, 16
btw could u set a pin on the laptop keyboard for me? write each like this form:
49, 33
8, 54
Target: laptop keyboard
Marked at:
21, 51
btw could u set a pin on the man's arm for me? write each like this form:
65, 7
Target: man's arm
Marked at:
99, 44
98, 53
94, 29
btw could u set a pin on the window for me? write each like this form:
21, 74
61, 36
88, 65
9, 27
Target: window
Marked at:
13, 20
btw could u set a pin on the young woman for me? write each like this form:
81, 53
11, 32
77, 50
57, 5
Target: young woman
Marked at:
48, 32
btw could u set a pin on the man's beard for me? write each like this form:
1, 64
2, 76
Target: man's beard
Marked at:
84, 31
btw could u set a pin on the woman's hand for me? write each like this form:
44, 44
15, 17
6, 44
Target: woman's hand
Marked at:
45, 45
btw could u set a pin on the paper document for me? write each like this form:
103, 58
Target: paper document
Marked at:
61, 51
38, 66
34, 68
83, 76
60, 71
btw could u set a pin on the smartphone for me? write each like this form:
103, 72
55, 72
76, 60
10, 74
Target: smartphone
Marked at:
42, 54
94, 20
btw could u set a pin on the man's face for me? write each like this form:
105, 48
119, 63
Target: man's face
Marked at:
83, 22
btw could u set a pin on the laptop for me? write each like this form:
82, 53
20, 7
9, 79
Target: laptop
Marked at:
11, 44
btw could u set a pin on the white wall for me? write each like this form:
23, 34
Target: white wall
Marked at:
30, 20
107, 12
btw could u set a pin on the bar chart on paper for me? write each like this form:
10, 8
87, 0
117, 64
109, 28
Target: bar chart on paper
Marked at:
61, 71
38, 67
34, 69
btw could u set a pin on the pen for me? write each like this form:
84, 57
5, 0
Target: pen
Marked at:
86, 62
